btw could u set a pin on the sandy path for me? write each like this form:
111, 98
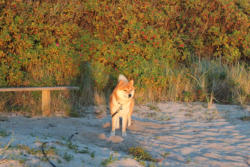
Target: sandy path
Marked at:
173, 133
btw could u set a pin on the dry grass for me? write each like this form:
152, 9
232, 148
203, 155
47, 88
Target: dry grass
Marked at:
207, 81
241, 78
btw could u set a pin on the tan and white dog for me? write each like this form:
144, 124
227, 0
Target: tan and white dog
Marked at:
121, 104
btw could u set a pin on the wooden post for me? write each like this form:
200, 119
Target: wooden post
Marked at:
46, 102
45, 94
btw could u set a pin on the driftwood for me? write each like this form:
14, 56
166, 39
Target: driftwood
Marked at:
45, 155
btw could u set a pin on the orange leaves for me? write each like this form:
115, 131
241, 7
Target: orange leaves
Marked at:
125, 35
37, 44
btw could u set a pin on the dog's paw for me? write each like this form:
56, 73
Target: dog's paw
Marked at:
124, 134
112, 133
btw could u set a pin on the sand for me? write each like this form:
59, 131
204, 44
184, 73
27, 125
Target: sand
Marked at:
175, 134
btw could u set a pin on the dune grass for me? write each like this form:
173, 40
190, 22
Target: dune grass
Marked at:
205, 81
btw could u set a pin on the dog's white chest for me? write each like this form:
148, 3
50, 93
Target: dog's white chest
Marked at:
124, 110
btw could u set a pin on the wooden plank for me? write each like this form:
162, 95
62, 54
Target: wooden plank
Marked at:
45, 94
46, 102
13, 89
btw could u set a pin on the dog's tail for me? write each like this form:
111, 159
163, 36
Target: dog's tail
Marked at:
122, 78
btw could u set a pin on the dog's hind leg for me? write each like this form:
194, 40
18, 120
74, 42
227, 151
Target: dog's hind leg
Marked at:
131, 107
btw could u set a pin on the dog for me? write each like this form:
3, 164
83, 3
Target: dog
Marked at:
121, 104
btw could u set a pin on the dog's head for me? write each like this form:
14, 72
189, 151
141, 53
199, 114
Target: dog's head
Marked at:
126, 90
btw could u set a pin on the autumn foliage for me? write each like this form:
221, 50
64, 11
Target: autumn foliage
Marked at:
52, 42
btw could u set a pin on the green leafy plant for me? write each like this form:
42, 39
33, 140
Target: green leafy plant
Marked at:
141, 154
109, 160
4, 133
68, 157
88, 43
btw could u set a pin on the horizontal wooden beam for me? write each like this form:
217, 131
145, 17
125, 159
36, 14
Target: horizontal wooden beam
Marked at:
45, 94
13, 89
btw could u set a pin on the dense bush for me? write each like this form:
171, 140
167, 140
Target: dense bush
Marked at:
37, 44
178, 28
158, 43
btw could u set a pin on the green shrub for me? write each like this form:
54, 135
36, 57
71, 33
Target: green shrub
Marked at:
37, 45
161, 44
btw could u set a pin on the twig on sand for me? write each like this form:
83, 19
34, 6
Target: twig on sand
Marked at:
45, 155
3, 160
70, 138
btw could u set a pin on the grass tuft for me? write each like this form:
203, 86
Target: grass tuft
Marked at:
141, 154
108, 161
68, 157
4, 133
245, 118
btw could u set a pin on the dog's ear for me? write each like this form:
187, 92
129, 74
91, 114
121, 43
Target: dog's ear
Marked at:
122, 78
131, 82
120, 83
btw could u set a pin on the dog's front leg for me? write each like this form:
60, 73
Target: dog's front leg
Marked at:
114, 124
124, 125
117, 125
129, 120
